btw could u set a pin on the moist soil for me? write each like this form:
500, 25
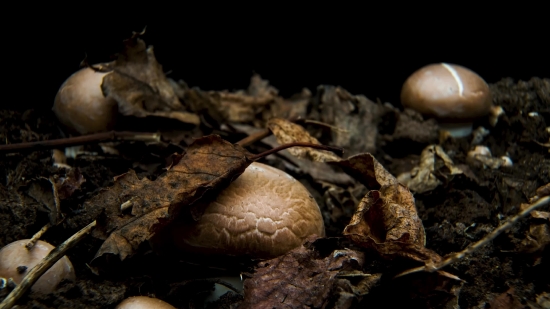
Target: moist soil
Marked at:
460, 211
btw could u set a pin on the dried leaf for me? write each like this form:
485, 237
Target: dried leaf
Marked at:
293, 108
288, 132
303, 278
240, 106
386, 218
139, 85
506, 300
209, 164
356, 116
68, 184
424, 177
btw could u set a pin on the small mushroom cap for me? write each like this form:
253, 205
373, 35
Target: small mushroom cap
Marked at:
144, 302
16, 254
447, 91
81, 106
262, 214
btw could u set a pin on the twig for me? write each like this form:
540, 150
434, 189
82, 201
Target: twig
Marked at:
48, 261
79, 140
37, 236
253, 138
454, 257
337, 150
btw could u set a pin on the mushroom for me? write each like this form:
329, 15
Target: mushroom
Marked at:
262, 214
144, 302
81, 106
16, 260
451, 93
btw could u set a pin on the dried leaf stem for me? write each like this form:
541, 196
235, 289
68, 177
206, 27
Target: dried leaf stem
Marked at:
79, 140
454, 257
37, 271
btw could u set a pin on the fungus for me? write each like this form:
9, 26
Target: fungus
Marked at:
144, 302
81, 106
262, 214
451, 93
16, 261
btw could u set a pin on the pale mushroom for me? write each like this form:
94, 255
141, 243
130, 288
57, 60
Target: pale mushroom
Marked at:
16, 261
81, 106
262, 214
451, 93
144, 302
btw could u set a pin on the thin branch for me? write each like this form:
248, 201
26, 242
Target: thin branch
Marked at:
254, 138
34, 274
454, 257
37, 236
336, 150
79, 140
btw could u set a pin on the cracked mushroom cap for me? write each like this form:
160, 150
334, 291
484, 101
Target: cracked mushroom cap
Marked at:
447, 91
81, 106
262, 214
16, 261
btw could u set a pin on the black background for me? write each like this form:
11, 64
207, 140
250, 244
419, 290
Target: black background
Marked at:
365, 50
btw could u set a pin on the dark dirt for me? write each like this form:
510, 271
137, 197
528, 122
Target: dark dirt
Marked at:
455, 214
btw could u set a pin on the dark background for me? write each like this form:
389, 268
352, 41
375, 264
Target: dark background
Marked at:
366, 51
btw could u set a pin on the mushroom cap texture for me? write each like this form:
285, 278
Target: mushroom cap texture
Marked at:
262, 214
81, 106
144, 302
447, 91
16, 254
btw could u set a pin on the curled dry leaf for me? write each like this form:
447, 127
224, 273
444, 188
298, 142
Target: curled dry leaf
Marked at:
138, 84
135, 208
289, 132
303, 278
240, 106
293, 108
424, 177
386, 218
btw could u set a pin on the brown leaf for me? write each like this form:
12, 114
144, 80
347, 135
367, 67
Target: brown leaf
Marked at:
288, 132
209, 164
303, 278
386, 218
139, 85
506, 300
240, 106
356, 116
424, 177
68, 184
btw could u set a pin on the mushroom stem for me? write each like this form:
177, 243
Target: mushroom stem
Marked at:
456, 130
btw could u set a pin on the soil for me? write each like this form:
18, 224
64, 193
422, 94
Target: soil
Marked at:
460, 211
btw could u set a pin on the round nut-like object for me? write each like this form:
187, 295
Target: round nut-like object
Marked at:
262, 214
81, 106
144, 302
16, 261
447, 91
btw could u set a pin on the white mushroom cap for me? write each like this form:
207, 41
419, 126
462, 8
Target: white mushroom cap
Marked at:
16, 254
447, 91
81, 106
263, 213
144, 302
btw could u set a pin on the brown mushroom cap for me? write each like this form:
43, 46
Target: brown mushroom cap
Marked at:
81, 106
16, 254
263, 213
144, 302
447, 91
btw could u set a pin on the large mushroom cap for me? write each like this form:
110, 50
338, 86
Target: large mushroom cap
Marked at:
144, 302
447, 91
81, 106
15, 255
263, 213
